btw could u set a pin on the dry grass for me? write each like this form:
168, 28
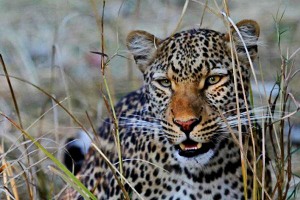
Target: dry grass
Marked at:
49, 44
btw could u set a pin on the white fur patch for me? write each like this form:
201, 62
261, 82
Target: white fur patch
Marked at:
248, 37
141, 47
195, 162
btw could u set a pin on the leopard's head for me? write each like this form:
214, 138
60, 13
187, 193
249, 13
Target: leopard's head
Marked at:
191, 86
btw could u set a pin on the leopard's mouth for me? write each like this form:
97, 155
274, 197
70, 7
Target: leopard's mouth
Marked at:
190, 148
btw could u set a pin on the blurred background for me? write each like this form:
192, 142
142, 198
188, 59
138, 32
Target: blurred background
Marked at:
49, 43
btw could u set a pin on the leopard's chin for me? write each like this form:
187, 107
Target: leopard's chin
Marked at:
190, 148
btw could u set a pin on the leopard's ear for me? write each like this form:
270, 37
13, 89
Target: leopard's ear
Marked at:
248, 34
143, 46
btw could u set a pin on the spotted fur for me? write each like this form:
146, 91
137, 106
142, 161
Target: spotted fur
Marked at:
175, 141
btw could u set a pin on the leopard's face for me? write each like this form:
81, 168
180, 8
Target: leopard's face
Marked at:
191, 89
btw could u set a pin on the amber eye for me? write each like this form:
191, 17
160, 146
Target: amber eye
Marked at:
213, 80
164, 82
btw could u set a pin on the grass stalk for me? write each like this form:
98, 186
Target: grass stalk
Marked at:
54, 99
115, 172
235, 73
116, 124
100, 24
83, 190
181, 16
7, 171
29, 187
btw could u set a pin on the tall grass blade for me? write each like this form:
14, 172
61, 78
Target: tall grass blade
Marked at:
55, 160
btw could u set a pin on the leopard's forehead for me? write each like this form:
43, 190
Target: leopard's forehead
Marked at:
191, 54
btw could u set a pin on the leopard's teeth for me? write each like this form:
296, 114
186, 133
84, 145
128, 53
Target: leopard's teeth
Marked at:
199, 145
182, 146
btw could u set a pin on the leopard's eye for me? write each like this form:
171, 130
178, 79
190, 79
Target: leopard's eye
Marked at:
164, 82
213, 80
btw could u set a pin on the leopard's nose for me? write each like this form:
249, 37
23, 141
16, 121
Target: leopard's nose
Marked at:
187, 125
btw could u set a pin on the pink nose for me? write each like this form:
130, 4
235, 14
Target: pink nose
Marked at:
187, 126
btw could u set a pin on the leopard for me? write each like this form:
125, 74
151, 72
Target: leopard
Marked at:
179, 132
